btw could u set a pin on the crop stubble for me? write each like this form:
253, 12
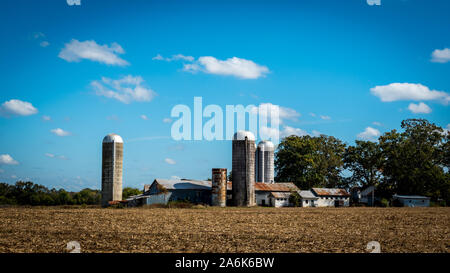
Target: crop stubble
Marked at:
225, 229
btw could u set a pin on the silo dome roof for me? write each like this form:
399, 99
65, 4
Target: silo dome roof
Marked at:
112, 138
240, 135
266, 145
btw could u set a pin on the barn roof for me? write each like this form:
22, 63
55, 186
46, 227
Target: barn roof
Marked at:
307, 195
396, 196
330, 192
280, 194
187, 184
183, 184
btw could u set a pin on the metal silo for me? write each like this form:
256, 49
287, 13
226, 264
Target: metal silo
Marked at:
219, 187
112, 164
243, 172
265, 162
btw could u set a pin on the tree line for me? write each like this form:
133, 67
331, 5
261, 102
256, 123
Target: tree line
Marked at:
28, 193
412, 162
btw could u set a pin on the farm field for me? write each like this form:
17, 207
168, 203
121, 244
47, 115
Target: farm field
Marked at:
49, 229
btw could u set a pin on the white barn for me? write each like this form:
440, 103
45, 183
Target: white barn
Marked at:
328, 197
308, 199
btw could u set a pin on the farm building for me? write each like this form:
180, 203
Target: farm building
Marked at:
364, 195
308, 199
161, 191
274, 194
331, 197
411, 200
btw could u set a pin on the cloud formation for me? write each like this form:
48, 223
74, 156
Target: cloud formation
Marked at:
17, 108
174, 58
269, 110
408, 91
75, 51
170, 161
441, 55
369, 134
125, 89
237, 67
6, 159
54, 156
46, 118
420, 108
144, 117
60, 132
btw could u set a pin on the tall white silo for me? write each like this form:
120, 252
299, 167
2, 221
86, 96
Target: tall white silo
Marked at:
112, 165
265, 162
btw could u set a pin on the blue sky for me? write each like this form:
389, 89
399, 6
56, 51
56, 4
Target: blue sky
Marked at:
72, 74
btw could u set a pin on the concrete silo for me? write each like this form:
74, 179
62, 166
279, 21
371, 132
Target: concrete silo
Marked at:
243, 172
265, 162
112, 164
219, 187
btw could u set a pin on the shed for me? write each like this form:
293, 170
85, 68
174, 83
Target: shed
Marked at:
331, 197
411, 200
307, 199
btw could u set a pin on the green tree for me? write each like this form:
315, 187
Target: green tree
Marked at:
128, 191
295, 199
414, 160
310, 161
364, 161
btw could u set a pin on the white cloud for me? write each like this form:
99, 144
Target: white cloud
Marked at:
241, 68
408, 91
316, 133
441, 55
167, 120
377, 123
288, 131
46, 118
49, 155
325, 117
13, 176
75, 51
158, 57
170, 161
174, 58
312, 114
60, 132
369, 134
125, 89
174, 177
144, 117
420, 108
447, 130
44, 44
38, 35
6, 159
17, 108
269, 110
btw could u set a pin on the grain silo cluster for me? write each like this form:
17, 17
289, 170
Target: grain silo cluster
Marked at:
252, 174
